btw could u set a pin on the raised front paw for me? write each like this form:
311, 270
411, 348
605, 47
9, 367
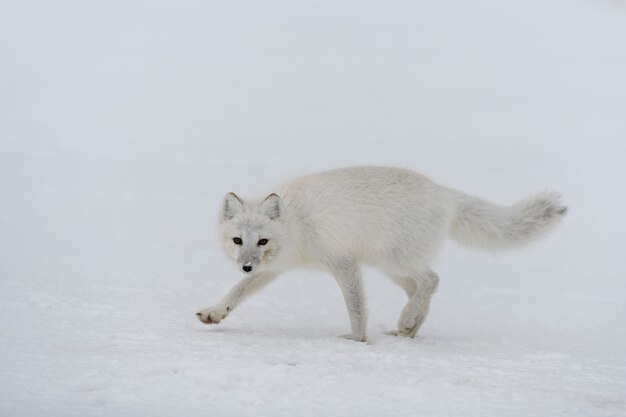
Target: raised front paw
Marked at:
213, 315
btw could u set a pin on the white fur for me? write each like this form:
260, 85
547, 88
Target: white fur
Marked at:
390, 218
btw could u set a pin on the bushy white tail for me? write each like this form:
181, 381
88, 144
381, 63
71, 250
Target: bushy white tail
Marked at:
481, 224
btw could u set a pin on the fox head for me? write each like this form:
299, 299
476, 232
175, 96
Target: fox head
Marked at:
252, 232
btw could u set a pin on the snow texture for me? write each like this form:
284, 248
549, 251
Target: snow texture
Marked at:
123, 124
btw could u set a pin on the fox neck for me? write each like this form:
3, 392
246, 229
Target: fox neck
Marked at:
291, 254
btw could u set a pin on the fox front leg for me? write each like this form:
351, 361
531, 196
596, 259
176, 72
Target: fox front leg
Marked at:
348, 277
245, 288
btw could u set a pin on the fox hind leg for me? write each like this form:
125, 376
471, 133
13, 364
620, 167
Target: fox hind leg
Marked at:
416, 309
409, 285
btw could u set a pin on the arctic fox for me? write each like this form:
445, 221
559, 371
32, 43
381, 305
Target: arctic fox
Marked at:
390, 218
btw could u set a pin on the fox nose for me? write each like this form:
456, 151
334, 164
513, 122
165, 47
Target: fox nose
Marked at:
247, 268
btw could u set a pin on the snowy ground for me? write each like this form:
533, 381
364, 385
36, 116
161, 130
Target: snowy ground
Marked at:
122, 124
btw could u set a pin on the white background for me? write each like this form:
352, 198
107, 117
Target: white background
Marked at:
123, 123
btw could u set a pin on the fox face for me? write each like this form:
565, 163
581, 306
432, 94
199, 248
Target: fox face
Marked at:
251, 232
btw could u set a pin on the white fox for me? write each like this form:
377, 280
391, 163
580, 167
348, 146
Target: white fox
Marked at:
393, 219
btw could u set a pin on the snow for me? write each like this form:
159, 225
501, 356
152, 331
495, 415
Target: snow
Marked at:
122, 124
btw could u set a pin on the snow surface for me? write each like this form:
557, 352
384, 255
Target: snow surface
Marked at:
123, 123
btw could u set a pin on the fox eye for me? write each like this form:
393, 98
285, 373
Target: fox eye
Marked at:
262, 242
237, 240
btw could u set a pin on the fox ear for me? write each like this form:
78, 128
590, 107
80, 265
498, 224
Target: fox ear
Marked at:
272, 206
231, 206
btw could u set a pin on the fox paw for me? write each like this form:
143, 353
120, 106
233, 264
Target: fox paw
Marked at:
401, 333
213, 315
407, 327
355, 337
